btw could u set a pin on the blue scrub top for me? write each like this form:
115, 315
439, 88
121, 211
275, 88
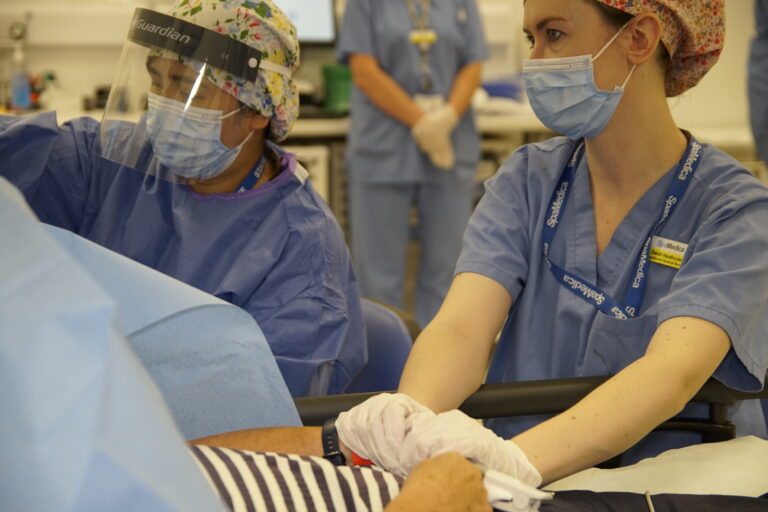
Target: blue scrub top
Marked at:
276, 251
552, 333
758, 80
381, 149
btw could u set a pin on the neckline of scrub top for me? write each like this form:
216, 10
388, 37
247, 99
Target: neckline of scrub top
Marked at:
587, 290
626, 240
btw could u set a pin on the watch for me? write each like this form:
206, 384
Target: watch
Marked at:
330, 439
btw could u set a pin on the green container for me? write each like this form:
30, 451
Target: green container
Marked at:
337, 83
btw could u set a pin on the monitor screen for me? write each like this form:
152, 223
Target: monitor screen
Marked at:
314, 19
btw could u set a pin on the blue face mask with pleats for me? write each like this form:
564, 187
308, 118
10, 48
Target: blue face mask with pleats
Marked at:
187, 139
563, 94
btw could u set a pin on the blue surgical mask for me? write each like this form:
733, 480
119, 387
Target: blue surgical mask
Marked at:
563, 94
187, 139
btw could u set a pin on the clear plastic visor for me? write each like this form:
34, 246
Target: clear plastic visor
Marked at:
163, 116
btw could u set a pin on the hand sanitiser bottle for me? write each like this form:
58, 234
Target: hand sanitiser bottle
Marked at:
20, 91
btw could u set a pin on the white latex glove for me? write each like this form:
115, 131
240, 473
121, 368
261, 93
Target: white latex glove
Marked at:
376, 428
455, 431
432, 133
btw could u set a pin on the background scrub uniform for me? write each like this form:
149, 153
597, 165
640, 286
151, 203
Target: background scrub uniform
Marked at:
552, 333
276, 251
388, 172
758, 80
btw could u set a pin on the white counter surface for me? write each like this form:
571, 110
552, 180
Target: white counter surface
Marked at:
729, 138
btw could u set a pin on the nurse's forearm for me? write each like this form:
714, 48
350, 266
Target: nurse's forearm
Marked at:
607, 422
448, 360
444, 368
382, 90
682, 356
464, 85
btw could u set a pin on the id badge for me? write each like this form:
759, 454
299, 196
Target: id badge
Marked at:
667, 252
429, 102
423, 37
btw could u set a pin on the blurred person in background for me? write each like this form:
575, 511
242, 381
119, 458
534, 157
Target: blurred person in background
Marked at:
413, 140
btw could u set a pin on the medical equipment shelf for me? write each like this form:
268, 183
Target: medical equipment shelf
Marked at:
550, 396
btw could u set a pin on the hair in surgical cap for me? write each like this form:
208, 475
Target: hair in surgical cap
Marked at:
693, 34
261, 25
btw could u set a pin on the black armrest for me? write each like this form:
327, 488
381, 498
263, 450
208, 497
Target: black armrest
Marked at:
521, 399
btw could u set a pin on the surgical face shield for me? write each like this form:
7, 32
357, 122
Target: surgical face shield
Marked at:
163, 116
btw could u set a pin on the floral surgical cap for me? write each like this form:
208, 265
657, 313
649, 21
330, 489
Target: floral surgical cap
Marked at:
263, 26
694, 34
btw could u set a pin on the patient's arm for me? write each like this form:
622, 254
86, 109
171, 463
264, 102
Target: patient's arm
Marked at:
298, 440
444, 483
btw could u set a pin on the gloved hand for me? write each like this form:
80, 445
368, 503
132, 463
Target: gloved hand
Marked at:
376, 428
455, 431
432, 133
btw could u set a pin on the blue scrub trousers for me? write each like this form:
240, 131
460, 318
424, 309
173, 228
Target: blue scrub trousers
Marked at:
379, 220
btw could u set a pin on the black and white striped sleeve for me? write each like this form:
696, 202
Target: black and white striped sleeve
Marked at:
251, 481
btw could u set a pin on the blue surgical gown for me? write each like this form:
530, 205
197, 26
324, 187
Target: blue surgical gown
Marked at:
758, 80
552, 333
276, 250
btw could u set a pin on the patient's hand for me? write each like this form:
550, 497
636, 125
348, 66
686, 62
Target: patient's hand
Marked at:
445, 483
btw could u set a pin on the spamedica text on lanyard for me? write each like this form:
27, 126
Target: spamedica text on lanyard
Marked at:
423, 37
589, 292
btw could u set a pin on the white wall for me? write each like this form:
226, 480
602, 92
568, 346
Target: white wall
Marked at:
80, 41
720, 99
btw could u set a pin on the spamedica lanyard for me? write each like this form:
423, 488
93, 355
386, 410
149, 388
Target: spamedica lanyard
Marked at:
423, 37
633, 297
253, 176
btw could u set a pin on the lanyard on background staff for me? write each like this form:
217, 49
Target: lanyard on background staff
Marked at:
423, 37
633, 297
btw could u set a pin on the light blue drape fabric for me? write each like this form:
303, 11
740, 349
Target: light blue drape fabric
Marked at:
208, 357
82, 426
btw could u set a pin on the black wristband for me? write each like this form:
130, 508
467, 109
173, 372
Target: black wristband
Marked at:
330, 441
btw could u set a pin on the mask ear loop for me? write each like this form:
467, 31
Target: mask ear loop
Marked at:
626, 81
607, 45
250, 132
610, 42
230, 114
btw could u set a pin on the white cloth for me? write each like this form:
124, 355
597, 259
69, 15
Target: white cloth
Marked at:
737, 468
510, 494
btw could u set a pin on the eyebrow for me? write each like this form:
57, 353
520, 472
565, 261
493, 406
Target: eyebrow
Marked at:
150, 68
541, 24
174, 75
